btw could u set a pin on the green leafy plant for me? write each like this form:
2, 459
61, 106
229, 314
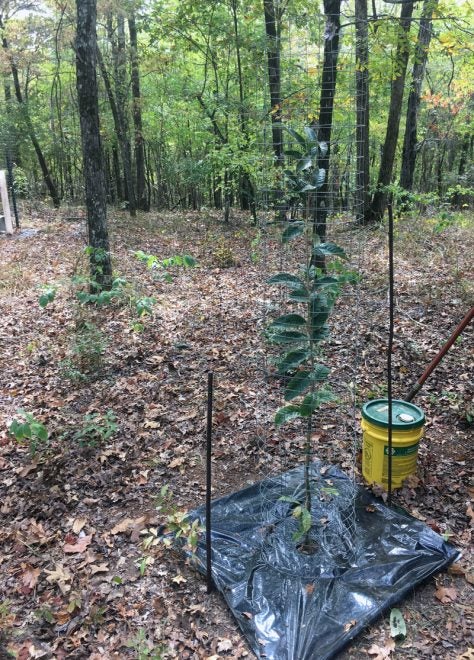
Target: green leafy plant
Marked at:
313, 291
145, 648
96, 429
30, 429
177, 524
160, 266
48, 295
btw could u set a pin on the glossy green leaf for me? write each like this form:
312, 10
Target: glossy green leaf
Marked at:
297, 384
320, 310
300, 295
286, 414
318, 178
189, 261
292, 153
313, 401
293, 230
310, 134
293, 359
288, 337
304, 164
299, 138
288, 320
328, 250
320, 373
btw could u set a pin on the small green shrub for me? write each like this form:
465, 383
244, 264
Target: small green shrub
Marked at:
96, 429
30, 429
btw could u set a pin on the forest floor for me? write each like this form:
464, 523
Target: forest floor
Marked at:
76, 580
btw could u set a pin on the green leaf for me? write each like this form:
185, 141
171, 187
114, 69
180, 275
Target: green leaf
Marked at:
305, 163
318, 334
325, 281
320, 373
293, 154
189, 261
320, 310
287, 498
288, 337
300, 295
288, 320
328, 250
323, 147
313, 401
293, 230
310, 134
39, 430
287, 279
306, 521
299, 138
293, 359
286, 413
398, 629
318, 178
297, 384
307, 187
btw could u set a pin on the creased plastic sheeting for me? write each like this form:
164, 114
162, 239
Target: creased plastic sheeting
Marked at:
296, 606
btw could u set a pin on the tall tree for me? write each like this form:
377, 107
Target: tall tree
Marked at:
94, 174
141, 196
418, 73
379, 200
25, 113
362, 110
332, 12
272, 15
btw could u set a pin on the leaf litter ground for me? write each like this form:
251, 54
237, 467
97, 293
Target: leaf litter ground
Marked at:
76, 581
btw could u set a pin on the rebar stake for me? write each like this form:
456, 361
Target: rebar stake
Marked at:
210, 390
390, 348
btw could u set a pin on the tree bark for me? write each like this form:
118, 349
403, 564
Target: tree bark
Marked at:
418, 73
362, 111
272, 21
332, 11
142, 197
379, 200
94, 175
47, 178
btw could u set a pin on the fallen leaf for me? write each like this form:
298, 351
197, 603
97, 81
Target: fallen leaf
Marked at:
78, 524
99, 568
224, 645
309, 588
349, 625
60, 576
446, 594
176, 462
80, 545
178, 579
126, 525
248, 615
30, 577
382, 652
467, 655
470, 513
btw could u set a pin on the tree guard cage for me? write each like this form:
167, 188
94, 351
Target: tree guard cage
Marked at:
307, 557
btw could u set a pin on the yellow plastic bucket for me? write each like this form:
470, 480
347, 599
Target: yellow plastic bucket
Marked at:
407, 429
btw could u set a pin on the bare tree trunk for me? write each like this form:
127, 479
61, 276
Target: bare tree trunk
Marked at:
379, 200
418, 73
142, 197
94, 176
272, 30
362, 111
332, 11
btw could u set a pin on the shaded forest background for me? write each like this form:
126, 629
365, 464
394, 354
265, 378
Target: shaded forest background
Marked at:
186, 90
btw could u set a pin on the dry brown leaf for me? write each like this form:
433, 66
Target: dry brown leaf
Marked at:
126, 525
80, 545
349, 625
446, 594
224, 645
470, 513
30, 577
60, 576
78, 524
176, 462
178, 579
467, 655
99, 568
382, 652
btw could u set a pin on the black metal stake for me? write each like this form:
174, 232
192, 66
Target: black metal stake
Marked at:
210, 390
390, 347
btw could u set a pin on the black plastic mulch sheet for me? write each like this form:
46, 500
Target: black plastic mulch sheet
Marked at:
296, 606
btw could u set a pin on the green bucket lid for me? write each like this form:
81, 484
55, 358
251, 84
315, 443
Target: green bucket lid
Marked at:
405, 415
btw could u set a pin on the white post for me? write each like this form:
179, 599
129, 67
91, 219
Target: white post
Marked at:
5, 203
